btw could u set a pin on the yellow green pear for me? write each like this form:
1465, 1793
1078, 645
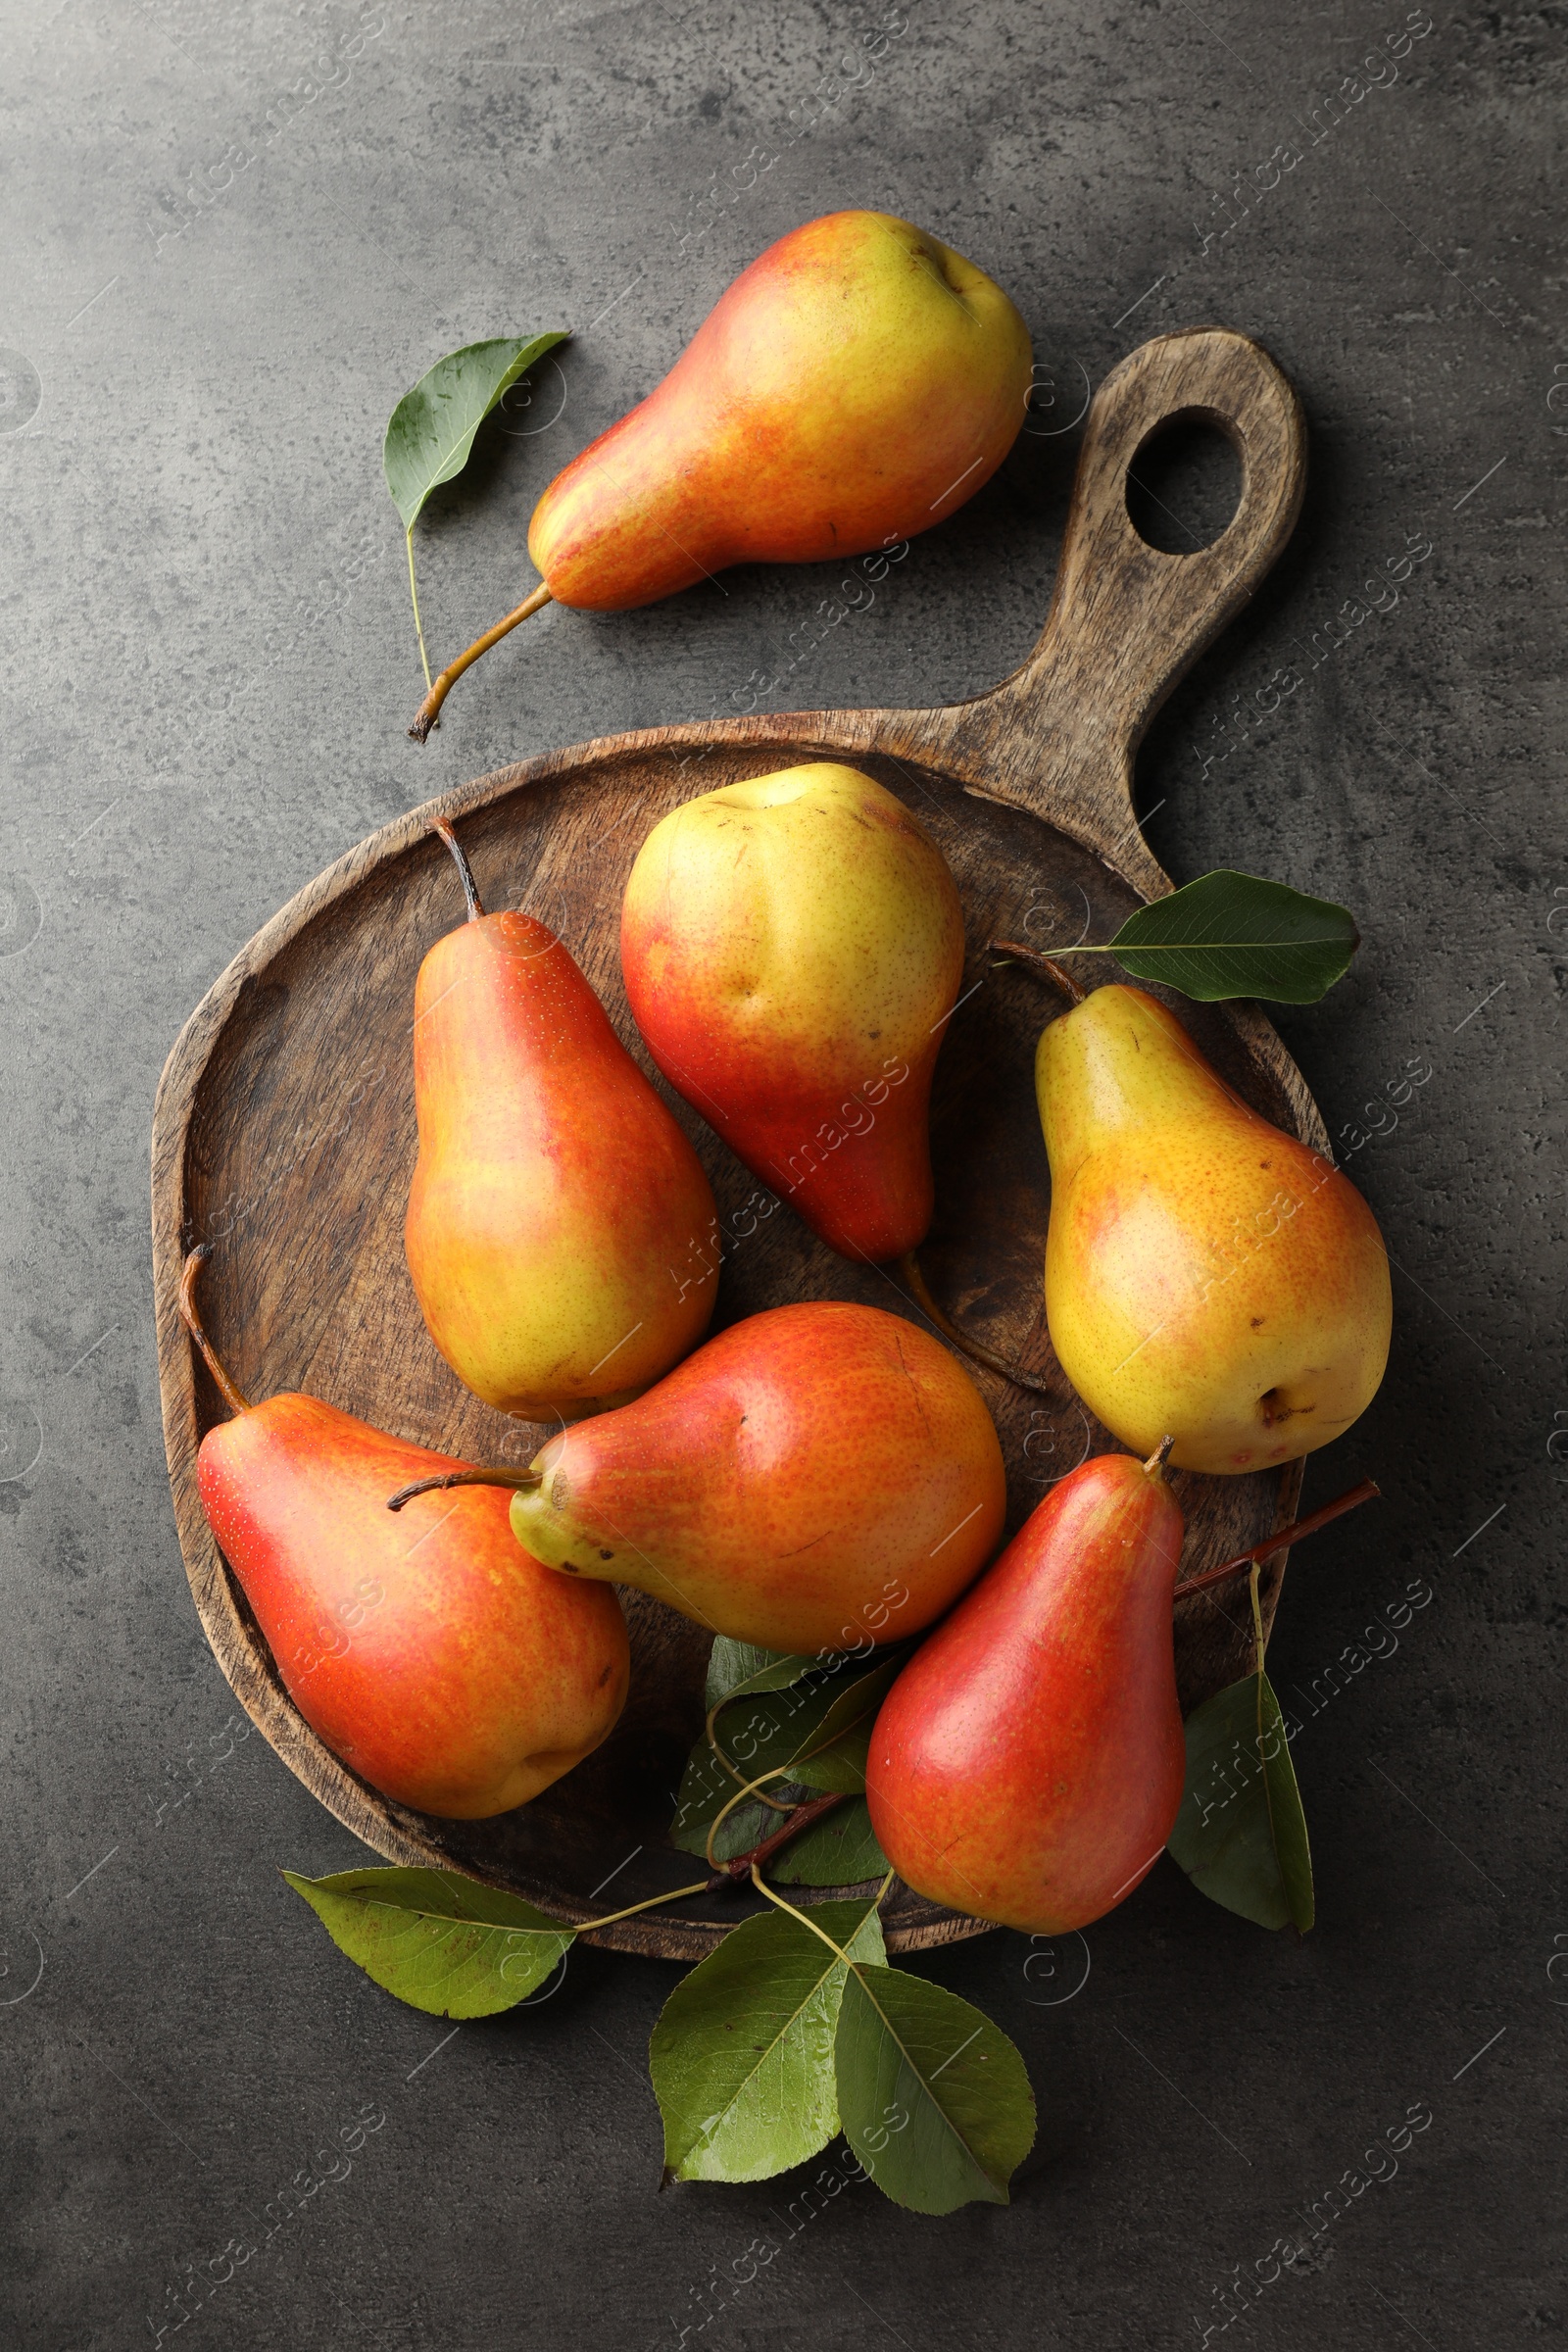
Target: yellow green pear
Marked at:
793, 945
1207, 1275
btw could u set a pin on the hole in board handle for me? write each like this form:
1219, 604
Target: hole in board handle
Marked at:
1184, 484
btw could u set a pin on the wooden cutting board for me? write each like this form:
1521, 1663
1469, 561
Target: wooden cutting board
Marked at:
284, 1130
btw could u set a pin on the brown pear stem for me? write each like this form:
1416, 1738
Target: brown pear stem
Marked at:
800, 1818
522, 1482
1281, 1539
471, 890
429, 711
231, 1395
1045, 966
909, 1268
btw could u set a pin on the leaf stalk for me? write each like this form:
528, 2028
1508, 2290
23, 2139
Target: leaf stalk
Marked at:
418, 623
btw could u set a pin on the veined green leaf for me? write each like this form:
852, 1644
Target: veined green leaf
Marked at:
839, 1764
439, 1941
933, 2099
742, 2056
1231, 934
430, 433
737, 1669
1240, 1834
839, 1850
817, 1728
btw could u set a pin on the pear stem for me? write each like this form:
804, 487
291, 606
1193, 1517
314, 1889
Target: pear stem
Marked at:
909, 1268
1159, 1457
778, 1772
424, 718
1281, 1539
495, 1474
471, 891
232, 1396
1045, 966
800, 1818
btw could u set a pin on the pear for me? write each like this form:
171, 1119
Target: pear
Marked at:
1027, 1765
1205, 1274
792, 946
817, 1477
561, 1233
852, 387
442, 1664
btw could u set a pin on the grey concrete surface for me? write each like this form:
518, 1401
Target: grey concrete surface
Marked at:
233, 235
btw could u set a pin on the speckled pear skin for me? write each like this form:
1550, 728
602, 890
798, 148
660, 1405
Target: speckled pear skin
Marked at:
1027, 1766
1207, 1275
852, 387
555, 1201
430, 1652
792, 946
818, 1477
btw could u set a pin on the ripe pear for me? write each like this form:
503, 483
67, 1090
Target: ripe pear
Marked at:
442, 1664
1027, 1765
852, 387
814, 1476
555, 1201
1205, 1274
792, 946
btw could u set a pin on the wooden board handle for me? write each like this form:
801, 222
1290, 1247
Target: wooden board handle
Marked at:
1127, 619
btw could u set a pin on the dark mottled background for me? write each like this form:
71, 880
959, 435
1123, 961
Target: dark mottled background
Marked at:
233, 235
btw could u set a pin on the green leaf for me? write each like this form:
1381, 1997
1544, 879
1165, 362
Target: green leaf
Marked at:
840, 1850
1233, 935
440, 1941
840, 1764
817, 1728
736, 1669
933, 2097
742, 2056
1240, 1834
430, 433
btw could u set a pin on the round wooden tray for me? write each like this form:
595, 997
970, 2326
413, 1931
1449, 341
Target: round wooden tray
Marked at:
284, 1132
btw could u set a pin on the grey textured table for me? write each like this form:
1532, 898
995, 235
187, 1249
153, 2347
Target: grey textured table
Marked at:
233, 237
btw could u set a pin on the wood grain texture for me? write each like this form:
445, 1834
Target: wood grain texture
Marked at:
284, 1130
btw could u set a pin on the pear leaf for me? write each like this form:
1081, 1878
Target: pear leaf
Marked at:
736, 1669
933, 2099
840, 1764
839, 1850
1240, 1834
1233, 935
742, 2056
429, 434
807, 1729
439, 1941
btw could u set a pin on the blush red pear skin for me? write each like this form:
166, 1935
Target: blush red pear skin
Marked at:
1027, 1765
425, 1648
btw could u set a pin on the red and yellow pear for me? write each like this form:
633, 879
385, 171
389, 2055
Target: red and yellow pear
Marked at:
439, 1661
812, 1474
1207, 1274
555, 1200
852, 387
1027, 1766
792, 946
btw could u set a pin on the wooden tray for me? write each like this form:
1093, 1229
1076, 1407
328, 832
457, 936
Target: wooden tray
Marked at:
284, 1130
